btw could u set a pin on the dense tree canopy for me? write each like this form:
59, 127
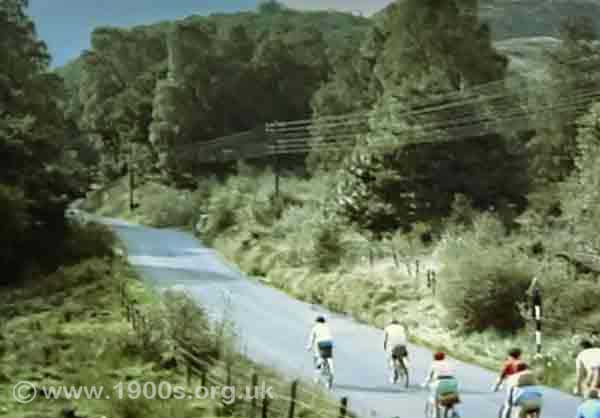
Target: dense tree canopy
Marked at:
429, 48
38, 179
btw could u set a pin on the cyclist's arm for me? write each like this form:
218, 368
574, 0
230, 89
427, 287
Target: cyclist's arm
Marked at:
430, 375
501, 377
311, 339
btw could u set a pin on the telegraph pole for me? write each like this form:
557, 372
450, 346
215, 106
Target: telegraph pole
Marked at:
95, 59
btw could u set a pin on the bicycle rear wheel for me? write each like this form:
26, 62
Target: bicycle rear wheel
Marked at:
428, 410
326, 374
404, 373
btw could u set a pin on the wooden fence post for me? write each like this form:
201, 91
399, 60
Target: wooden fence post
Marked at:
228, 382
203, 379
254, 396
265, 407
293, 399
371, 257
343, 407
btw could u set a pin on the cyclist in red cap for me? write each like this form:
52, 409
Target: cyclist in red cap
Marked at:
441, 381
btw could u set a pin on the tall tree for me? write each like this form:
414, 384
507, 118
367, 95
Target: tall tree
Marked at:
36, 182
407, 168
572, 74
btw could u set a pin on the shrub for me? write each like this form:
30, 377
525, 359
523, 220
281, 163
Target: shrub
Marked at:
88, 241
484, 278
228, 206
327, 250
171, 208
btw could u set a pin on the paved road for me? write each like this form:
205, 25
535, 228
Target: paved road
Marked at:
274, 330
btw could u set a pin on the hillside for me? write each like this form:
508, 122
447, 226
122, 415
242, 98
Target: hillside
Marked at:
528, 18
534, 18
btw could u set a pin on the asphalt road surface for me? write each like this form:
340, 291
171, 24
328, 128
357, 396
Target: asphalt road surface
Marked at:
274, 330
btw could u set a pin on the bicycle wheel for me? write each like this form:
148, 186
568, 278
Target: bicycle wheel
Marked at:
326, 373
428, 410
404, 373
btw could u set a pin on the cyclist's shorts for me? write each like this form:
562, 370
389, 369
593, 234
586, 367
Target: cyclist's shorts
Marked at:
325, 349
448, 399
528, 398
399, 352
445, 386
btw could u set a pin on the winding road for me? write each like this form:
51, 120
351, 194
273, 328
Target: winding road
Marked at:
274, 329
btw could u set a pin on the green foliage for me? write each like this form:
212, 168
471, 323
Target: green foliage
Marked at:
225, 205
171, 84
172, 208
270, 7
88, 241
554, 148
581, 192
484, 278
328, 250
516, 19
404, 171
38, 177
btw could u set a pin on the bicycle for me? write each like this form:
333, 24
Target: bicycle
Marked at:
446, 402
400, 371
325, 371
518, 412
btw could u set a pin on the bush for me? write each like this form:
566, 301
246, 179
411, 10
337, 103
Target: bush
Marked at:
484, 278
88, 241
171, 208
328, 250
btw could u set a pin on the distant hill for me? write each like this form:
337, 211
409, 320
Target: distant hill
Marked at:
529, 18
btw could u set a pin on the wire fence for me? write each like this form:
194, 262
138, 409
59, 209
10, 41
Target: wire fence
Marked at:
259, 392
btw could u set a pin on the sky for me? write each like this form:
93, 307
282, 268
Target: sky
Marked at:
65, 25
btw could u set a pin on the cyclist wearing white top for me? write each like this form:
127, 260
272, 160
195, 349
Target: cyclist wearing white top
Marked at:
394, 344
587, 367
320, 342
441, 381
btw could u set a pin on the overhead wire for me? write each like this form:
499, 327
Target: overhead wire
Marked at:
569, 104
316, 123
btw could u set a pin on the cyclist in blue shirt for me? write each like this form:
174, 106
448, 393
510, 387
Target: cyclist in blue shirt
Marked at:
590, 408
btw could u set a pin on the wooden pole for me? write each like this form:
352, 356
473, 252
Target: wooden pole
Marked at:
203, 379
396, 261
293, 399
265, 407
343, 407
253, 400
229, 373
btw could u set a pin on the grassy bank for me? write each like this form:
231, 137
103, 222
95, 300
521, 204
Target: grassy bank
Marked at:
482, 272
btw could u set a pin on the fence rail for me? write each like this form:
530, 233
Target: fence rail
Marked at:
215, 372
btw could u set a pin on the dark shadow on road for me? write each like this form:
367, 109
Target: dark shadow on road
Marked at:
380, 389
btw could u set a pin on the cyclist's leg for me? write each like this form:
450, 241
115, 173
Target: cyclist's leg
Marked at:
405, 358
507, 411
